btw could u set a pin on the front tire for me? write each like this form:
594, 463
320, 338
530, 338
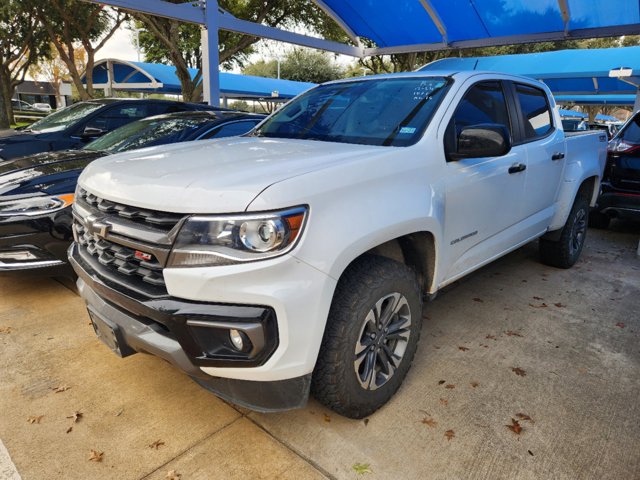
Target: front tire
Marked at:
371, 337
564, 252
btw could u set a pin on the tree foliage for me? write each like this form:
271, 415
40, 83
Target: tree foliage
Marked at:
74, 23
300, 64
22, 44
170, 41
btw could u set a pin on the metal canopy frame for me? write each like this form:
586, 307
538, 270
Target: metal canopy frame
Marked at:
212, 18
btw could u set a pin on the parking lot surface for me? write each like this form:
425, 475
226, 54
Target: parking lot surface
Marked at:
552, 354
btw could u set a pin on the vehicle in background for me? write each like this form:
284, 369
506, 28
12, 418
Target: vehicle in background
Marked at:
36, 192
42, 107
20, 106
620, 189
610, 128
81, 123
573, 125
296, 258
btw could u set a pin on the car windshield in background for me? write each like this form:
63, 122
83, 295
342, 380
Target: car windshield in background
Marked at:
64, 118
149, 132
385, 112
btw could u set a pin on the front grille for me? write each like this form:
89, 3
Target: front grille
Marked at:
126, 245
152, 218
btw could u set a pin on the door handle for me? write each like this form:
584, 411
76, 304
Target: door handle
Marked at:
557, 156
517, 167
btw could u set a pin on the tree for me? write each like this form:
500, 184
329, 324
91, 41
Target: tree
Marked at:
22, 43
72, 24
170, 41
262, 68
305, 65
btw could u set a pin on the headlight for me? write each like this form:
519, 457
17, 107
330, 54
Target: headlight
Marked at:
225, 240
38, 205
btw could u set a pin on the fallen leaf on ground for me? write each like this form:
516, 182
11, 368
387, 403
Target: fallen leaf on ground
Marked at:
61, 388
450, 386
620, 325
444, 401
119, 412
511, 333
479, 300
441, 382
559, 305
5, 329
530, 452
95, 456
490, 337
76, 416
524, 416
157, 444
519, 371
515, 426
449, 434
173, 475
542, 305
463, 349
366, 422
538, 298
69, 429
474, 384
430, 422
361, 468
35, 418
327, 418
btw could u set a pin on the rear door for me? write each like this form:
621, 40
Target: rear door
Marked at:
545, 150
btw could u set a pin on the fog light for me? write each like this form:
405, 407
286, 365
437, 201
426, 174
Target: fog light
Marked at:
236, 339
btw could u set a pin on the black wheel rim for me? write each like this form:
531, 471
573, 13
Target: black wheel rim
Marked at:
578, 232
383, 340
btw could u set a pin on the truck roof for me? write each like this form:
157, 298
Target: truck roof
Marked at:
458, 75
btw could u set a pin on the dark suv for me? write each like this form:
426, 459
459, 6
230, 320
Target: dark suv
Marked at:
75, 126
620, 192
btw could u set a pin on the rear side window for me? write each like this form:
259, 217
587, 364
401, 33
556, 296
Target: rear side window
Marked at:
118, 116
631, 132
484, 103
232, 129
535, 111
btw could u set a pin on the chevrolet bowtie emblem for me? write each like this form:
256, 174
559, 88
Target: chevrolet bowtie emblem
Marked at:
97, 226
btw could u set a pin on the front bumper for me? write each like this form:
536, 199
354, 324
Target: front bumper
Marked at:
36, 245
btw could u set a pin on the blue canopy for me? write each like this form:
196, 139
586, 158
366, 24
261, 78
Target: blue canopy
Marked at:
392, 23
159, 78
596, 99
575, 72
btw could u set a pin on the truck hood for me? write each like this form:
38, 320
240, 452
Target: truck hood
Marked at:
52, 172
218, 176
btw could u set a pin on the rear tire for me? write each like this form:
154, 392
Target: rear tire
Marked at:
598, 219
564, 253
371, 337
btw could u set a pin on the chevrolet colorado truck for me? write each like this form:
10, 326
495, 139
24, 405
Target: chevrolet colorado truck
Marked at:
295, 259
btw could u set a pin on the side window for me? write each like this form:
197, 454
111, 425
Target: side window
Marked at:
162, 108
232, 129
535, 111
117, 117
484, 103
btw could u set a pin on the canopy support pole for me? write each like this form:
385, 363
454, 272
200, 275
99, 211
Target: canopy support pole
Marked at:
566, 15
210, 55
636, 104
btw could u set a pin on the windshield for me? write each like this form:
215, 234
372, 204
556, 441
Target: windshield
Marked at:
385, 111
149, 132
64, 118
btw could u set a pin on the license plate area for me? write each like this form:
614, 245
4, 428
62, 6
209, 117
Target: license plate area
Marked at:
109, 334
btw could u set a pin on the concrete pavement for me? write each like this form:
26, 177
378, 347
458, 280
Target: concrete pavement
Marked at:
557, 351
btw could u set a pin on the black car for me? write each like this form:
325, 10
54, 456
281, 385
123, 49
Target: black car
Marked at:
36, 192
75, 126
620, 191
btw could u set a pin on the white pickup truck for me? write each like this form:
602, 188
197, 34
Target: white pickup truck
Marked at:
296, 258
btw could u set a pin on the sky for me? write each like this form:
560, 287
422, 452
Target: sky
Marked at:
120, 46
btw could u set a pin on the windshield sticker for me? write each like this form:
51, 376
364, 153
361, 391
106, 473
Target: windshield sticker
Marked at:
408, 130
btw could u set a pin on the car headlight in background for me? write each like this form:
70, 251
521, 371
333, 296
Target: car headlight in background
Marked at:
37, 205
226, 240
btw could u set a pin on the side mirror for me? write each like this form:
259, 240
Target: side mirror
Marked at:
484, 140
91, 133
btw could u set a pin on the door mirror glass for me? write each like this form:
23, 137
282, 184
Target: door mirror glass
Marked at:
90, 133
484, 140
